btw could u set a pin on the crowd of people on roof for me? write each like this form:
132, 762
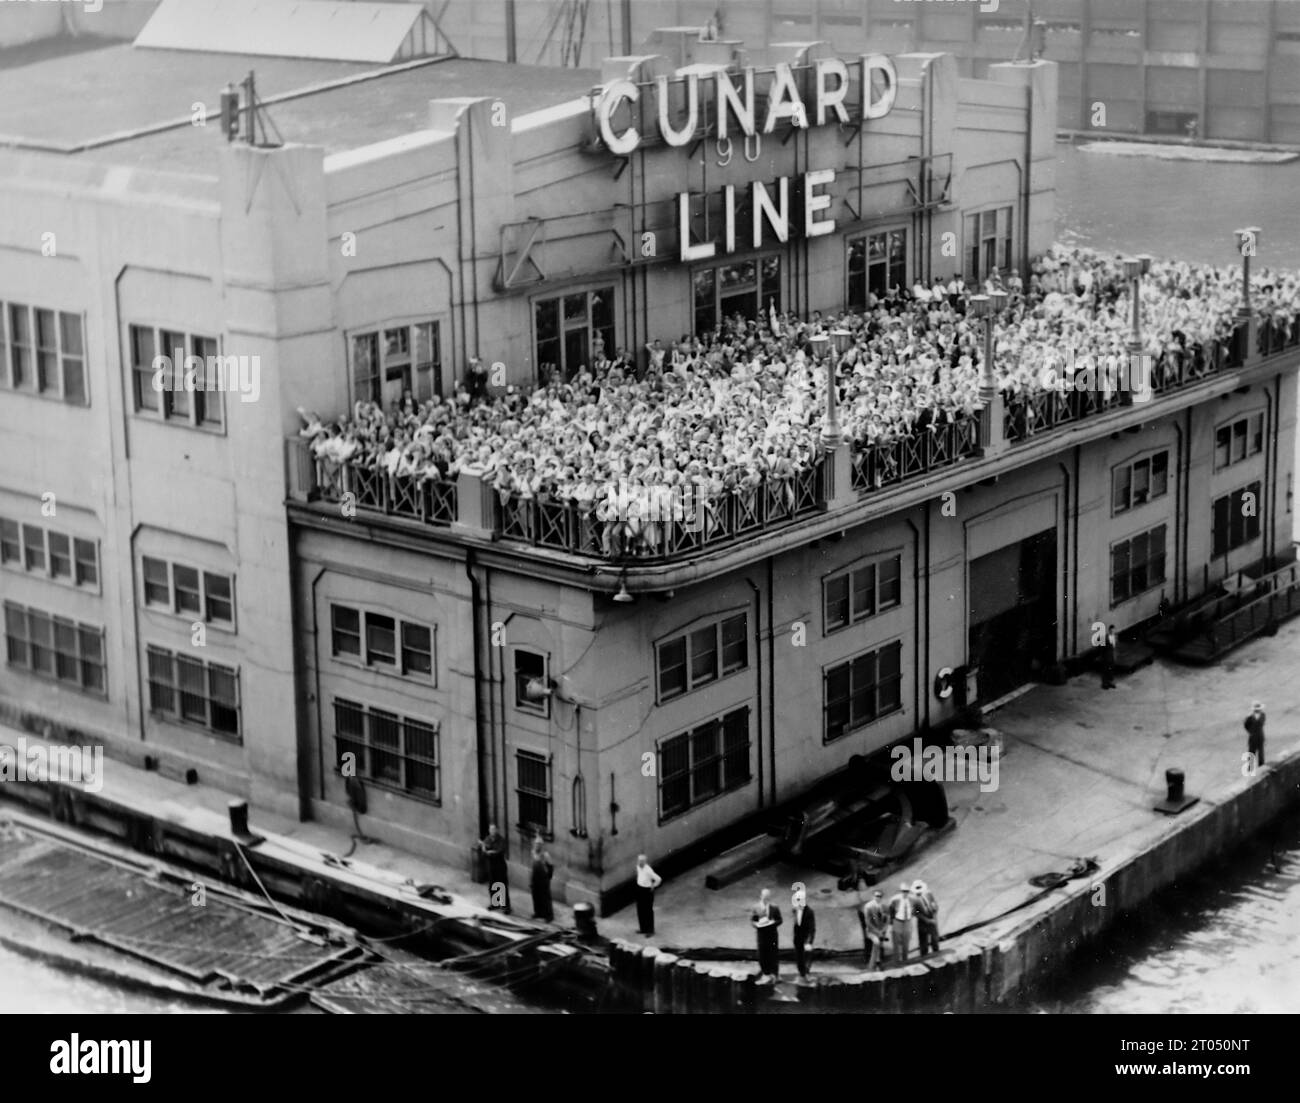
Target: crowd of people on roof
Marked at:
725, 410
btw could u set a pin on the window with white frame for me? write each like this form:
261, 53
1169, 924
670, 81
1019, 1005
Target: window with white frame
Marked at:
876, 263
1238, 440
43, 352
387, 363
700, 656
162, 385
188, 591
56, 555
1141, 481
862, 592
566, 329
530, 675
988, 243
382, 641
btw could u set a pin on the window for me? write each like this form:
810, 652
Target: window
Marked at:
178, 394
373, 638
46, 353
1236, 519
533, 786
750, 288
387, 363
862, 592
189, 592
861, 690
394, 752
701, 656
1238, 440
1137, 565
192, 691
381, 640
988, 243
566, 330
55, 647
1135, 484
530, 666
877, 262
698, 765
56, 555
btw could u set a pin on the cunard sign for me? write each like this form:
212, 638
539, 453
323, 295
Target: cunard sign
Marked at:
745, 106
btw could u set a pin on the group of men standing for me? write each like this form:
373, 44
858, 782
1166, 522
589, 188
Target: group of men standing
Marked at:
883, 923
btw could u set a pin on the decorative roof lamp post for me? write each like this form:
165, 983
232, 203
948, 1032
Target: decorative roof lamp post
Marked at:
992, 435
1136, 377
839, 480
1247, 244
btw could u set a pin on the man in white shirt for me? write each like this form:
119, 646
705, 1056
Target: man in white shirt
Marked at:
901, 910
647, 880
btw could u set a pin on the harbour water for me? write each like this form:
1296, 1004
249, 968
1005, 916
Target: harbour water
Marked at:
1227, 941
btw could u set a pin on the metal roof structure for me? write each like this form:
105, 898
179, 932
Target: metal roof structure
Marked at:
327, 30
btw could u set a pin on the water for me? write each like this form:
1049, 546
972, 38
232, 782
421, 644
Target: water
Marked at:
1227, 941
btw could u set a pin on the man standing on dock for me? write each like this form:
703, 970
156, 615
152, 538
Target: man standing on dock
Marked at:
900, 911
647, 880
1255, 733
494, 850
927, 918
805, 931
875, 929
766, 918
1108, 658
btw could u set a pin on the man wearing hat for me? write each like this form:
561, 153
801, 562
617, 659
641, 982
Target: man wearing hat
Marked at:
1255, 732
927, 918
805, 930
900, 912
875, 929
766, 918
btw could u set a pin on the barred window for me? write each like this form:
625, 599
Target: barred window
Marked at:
533, 788
1135, 484
189, 592
1236, 519
707, 761
192, 691
394, 752
1137, 565
702, 655
55, 647
863, 592
379, 640
46, 353
865, 688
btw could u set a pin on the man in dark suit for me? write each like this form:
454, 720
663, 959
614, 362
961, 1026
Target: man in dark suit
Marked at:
805, 931
1255, 733
766, 918
1108, 658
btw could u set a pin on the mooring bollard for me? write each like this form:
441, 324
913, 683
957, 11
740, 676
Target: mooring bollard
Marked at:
683, 972
645, 976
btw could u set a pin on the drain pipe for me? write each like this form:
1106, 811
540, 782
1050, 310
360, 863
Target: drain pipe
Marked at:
771, 685
916, 619
758, 662
476, 630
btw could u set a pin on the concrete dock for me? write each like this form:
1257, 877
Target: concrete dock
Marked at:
1080, 773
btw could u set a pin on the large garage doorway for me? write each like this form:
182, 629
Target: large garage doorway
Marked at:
1013, 614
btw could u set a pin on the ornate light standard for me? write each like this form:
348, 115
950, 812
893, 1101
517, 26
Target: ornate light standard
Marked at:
991, 436
1134, 269
839, 490
1247, 244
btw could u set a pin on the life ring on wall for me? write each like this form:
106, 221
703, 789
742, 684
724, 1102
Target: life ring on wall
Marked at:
943, 686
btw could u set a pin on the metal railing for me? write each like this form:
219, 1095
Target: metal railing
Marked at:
1276, 335
689, 526
373, 489
924, 450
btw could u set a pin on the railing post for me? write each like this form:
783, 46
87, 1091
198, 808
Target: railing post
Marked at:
839, 476
475, 514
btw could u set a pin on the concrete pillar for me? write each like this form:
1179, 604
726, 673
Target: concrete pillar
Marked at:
278, 309
475, 512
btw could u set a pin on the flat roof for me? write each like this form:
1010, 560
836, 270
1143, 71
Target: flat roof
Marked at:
77, 100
